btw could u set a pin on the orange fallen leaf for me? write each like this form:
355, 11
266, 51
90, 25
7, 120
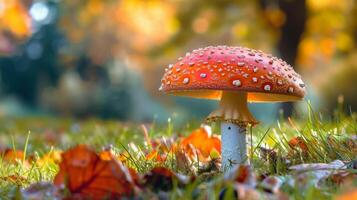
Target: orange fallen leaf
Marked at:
161, 149
202, 141
87, 175
155, 155
106, 155
298, 143
12, 156
50, 157
350, 195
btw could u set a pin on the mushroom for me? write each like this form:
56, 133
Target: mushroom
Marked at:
234, 76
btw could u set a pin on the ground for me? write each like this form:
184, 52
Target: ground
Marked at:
32, 147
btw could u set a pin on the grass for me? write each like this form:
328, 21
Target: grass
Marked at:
327, 140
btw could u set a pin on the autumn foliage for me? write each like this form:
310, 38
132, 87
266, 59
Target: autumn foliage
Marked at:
201, 142
84, 173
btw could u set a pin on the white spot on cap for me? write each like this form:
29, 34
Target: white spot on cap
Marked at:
161, 87
280, 82
255, 69
255, 79
267, 87
203, 75
186, 80
290, 89
236, 83
240, 64
170, 66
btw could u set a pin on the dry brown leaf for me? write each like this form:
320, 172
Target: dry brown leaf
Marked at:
315, 172
161, 178
85, 174
343, 177
41, 190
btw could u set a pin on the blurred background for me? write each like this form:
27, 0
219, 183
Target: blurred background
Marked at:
105, 58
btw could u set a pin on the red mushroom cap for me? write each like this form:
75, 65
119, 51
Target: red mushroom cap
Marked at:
206, 72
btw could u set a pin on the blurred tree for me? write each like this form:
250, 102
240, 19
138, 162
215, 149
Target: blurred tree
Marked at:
73, 45
354, 22
33, 65
294, 14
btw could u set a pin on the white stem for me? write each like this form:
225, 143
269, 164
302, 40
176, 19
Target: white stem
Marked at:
234, 145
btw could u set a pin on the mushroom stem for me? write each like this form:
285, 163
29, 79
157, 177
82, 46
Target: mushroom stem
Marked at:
234, 146
234, 115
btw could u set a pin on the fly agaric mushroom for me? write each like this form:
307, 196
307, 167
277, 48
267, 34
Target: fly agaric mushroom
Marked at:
235, 76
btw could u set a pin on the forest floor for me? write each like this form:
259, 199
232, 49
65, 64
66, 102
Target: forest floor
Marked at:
46, 158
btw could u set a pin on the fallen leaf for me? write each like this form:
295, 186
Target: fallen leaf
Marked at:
268, 154
50, 157
13, 156
343, 177
242, 174
16, 157
298, 143
160, 149
334, 165
350, 195
184, 162
271, 184
163, 179
106, 155
315, 172
201, 143
155, 155
85, 174
41, 190
244, 192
